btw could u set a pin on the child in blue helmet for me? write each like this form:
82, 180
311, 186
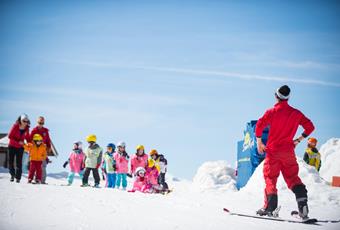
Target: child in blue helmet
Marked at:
109, 166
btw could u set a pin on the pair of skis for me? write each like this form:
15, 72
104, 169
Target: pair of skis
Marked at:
312, 221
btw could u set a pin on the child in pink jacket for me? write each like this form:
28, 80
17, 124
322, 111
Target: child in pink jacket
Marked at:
140, 159
152, 176
122, 165
141, 182
75, 160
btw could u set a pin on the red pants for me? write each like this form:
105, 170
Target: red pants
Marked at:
280, 162
35, 168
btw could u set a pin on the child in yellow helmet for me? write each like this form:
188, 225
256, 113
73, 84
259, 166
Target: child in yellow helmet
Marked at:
312, 155
159, 161
37, 152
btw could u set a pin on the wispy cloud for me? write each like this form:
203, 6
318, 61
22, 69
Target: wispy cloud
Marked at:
226, 74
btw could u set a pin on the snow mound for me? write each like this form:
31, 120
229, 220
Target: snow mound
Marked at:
215, 175
308, 175
330, 159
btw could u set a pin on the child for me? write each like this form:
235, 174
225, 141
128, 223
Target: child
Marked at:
141, 182
140, 159
38, 153
75, 160
161, 164
152, 176
312, 155
109, 166
122, 165
93, 158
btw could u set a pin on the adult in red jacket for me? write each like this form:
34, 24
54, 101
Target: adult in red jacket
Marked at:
44, 132
17, 135
283, 121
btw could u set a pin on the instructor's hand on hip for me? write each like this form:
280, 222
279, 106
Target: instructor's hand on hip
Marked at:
261, 148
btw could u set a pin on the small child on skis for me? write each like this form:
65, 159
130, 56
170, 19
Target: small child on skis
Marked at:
139, 159
312, 156
141, 183
109, 166
37, 153
122, 165
161, 164
93, 158
75, 160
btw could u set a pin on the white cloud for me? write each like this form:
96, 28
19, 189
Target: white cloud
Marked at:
295, 79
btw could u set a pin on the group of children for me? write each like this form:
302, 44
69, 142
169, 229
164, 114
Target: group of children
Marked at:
148, 172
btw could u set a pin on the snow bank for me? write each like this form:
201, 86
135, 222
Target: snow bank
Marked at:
330, 159
215, 175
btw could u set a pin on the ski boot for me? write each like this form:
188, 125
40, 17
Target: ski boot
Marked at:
17, 180
12, 179
301, 199
271, 210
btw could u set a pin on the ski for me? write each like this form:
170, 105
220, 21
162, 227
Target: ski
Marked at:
295, 214
307, 221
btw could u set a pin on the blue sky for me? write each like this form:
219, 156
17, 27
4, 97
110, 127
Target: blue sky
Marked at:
183, 78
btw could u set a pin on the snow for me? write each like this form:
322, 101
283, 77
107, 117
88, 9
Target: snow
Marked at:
216, 175
193, 204
330, 159
4, 141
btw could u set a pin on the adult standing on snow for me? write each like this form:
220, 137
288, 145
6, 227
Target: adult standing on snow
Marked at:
284, 121
17, 135
44, 132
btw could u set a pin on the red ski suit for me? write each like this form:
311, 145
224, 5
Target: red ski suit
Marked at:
283, 121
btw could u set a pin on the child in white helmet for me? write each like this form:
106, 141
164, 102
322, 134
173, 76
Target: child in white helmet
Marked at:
122, 165
75, 161
141, 183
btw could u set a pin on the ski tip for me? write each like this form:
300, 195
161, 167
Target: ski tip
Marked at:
226, 210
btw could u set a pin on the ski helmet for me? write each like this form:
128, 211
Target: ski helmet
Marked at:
121, 144
140, 147
153, 152
312, 141
37, 137
111, 145
78, 144
140, 170
91, 138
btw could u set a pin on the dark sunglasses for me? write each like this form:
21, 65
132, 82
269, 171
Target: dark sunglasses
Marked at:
41, 123
25, 121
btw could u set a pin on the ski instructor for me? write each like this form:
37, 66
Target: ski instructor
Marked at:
284, 121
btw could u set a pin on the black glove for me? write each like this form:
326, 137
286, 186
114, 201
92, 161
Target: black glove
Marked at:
65, 164
129, 175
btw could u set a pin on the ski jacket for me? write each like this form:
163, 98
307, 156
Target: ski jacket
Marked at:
138, 161
36, 153
284, 121
141, 184
122, 162
313, 157
44, 132
93, 156
152, 175
76, 160
160, 163
109, 163
15, 136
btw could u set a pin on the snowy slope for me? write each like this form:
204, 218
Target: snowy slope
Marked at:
192, 205
330, 159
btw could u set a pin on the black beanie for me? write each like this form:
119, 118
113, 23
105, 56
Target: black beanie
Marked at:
283, 92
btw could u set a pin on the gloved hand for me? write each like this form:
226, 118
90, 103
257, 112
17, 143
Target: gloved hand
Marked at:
65, 164
129, 175
82, 166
